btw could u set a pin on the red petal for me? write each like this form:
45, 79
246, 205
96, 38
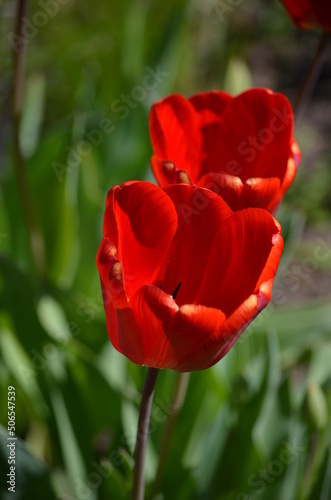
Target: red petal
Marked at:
212, 335
116, 303
175, 135
210, 105
166, 173
292, 166
192, 330
245, 251
235, 325
146, 223
111, 274
229, 187
264, 285
301, 12
200, 336
306, 13
130, 337
111, 315
153, 310
254, 136
262, 193
199, 212
254, 193
122, 329
191, 338
109, 219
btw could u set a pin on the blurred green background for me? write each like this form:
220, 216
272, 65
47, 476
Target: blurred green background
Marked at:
255, 426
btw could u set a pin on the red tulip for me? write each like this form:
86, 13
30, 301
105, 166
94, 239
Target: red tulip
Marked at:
308, 13
182, 275
242, 148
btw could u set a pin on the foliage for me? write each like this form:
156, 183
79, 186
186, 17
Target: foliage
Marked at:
254, 425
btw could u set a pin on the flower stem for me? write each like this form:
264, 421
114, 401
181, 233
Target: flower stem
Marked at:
36, 241
142, 434
312, 76
176, 405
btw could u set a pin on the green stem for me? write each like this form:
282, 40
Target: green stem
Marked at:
176, 406
35, 237
142, 434
312, 77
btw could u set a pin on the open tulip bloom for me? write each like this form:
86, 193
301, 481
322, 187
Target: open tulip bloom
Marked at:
182, 274
240, 147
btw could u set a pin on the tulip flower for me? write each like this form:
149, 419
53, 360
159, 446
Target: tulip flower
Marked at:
182, 275
240, 147
307, 14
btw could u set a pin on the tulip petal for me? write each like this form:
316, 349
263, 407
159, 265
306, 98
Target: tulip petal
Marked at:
146, 224
153, 310
199, 213
175, 135
139, 331
261, 193
192, 328
229, 187
292, 166
166, 172
306, 13
111, 274
254, 134
210, 105
109, 220
121, 325
111, 315
248, 247
201, 336
234, 326
257, 192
